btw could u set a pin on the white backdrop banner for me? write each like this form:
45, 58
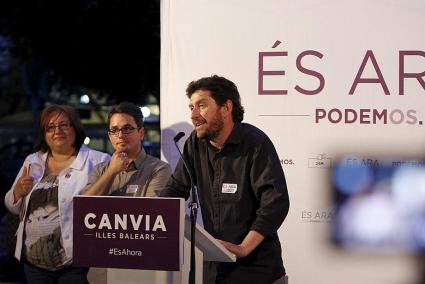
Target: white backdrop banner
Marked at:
323, 79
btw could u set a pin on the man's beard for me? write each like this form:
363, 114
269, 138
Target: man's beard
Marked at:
213, 131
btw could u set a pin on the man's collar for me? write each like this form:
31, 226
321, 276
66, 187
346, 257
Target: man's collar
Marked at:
140, 159
234, 137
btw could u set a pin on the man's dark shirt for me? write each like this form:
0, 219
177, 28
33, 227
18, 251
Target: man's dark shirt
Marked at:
241, 188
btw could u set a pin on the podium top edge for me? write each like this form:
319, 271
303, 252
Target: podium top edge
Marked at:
131, 197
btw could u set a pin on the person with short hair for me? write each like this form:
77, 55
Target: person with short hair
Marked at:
241, 185
130, 172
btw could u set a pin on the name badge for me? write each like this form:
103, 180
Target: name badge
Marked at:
132, 188
229, 188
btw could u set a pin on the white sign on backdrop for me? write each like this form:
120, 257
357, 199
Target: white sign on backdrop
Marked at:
322, 79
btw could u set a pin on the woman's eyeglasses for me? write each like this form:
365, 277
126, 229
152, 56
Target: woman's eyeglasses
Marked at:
61, 126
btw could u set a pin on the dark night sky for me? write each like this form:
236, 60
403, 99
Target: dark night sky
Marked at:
109, 46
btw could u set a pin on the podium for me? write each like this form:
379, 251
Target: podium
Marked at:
140, 239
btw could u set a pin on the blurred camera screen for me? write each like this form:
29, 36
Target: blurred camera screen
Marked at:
379, 205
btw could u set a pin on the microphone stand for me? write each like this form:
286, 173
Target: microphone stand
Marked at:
193, 205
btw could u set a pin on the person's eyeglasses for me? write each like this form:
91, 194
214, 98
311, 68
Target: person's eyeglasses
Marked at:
125, 130
61, 126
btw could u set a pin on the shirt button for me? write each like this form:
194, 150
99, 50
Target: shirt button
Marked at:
66, 237
63, 200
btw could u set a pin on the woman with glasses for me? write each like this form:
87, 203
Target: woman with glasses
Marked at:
42, 195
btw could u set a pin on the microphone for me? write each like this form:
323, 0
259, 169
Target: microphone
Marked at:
178, 137
192, 185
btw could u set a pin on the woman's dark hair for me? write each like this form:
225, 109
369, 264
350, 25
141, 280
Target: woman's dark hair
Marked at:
221, 90
74, 119
130, 109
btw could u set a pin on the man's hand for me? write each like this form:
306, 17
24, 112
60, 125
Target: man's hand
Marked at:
237, 250
118, 163
250, 242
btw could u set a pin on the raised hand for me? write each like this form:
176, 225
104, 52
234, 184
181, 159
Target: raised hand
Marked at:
119, 162
24, 184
